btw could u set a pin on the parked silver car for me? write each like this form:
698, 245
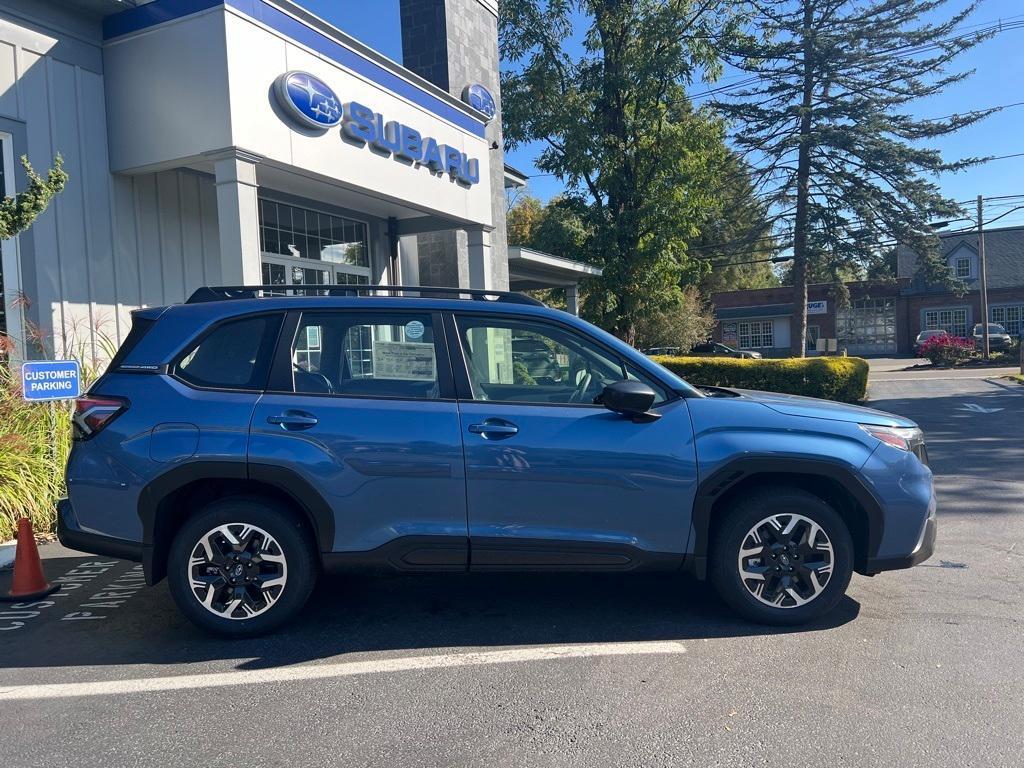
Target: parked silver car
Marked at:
998, 338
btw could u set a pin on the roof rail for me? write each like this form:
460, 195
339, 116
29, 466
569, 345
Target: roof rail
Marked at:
227, 292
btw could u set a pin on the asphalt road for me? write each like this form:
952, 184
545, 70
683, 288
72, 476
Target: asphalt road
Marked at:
917, 668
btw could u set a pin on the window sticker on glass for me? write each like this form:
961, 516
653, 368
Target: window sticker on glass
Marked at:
414, 330
408, 361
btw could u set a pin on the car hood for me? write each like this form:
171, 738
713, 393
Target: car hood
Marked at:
813, 408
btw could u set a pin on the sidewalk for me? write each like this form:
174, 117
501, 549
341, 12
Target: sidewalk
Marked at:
896, 369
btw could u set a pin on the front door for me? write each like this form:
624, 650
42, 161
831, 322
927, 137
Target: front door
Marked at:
554, 480
364, 414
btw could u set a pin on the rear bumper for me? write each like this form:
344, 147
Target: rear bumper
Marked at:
924, 549
71, 535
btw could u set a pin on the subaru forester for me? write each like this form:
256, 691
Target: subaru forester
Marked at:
246, 441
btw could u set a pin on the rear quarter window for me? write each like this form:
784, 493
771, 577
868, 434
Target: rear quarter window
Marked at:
235, 355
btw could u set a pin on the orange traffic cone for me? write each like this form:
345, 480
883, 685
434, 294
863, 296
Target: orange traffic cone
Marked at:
29, 581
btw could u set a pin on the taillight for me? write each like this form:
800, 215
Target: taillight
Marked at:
93, 413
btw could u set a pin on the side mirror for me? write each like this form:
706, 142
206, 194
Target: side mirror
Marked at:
632, 399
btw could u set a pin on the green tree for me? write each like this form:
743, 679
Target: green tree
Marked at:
736, 237
617, 128
687, 322
828, 123
523, 217
18, 212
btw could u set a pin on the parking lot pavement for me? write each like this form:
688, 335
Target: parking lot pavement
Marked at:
917, 668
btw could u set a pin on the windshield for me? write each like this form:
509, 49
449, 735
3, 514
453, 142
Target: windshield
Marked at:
992, 328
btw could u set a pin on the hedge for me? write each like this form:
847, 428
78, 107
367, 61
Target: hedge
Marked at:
833, 378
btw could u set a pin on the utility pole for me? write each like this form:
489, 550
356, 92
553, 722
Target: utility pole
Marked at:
984, 276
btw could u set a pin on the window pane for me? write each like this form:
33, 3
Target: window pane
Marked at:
234, 356
368, 355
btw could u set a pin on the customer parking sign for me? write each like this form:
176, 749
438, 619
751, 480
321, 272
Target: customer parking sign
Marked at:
51, 380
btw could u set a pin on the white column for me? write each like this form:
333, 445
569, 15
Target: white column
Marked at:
572, 299
238, 217
478, 244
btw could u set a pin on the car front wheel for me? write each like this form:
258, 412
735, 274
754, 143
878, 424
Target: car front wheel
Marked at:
241, 567
781, 556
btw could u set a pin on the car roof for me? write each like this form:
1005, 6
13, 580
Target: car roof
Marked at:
179, 324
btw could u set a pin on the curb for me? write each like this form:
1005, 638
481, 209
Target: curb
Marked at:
7, 554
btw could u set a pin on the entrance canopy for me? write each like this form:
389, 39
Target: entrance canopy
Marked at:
530, 270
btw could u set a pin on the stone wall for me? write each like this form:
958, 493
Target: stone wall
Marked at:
454, 43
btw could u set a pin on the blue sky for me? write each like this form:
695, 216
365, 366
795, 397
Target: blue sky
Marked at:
999, 79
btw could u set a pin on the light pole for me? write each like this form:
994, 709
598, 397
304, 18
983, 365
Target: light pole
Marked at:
983, 275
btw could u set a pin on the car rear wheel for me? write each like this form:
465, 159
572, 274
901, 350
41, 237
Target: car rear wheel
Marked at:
241, 567
782, 556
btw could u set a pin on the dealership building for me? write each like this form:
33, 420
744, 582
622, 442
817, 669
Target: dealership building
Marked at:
239, 142
885, 317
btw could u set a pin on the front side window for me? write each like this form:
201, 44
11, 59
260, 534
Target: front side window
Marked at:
235, 355
521, 361
365, 355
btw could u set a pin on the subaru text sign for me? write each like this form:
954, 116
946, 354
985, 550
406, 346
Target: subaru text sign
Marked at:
312, 104
51, 380
308, 99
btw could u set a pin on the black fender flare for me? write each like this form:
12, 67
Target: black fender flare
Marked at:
286, 481
737, 470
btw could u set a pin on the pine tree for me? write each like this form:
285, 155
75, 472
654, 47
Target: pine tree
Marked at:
617, 128
737, 237
18, 212
829, 127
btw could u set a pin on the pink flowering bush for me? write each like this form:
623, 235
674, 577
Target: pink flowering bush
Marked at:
947, 350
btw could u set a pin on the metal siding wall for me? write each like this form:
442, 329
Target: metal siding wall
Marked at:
34, 89
108, 244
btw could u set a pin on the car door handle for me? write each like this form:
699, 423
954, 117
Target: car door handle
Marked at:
494, 429
294, 420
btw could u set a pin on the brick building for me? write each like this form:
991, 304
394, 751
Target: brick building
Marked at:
884, 317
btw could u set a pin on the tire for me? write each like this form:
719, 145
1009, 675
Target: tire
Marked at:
798, 570
270, 571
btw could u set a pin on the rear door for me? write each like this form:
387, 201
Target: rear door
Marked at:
361, 407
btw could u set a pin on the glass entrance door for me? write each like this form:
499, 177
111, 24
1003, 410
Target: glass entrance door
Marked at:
306, 247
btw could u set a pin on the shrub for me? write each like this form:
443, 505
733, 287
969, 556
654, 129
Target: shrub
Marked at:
833, 378
34, 442
947, 350
35, 439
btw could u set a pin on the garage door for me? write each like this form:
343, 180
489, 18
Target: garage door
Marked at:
868, 327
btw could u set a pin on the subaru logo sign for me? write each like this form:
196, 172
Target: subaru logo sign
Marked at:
308, 99
480, 99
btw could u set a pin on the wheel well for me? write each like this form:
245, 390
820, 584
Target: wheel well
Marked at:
827, 489
180, 504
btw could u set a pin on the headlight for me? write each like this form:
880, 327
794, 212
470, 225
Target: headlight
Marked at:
904, 438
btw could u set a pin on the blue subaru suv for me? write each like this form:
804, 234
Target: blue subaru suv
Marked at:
244, 442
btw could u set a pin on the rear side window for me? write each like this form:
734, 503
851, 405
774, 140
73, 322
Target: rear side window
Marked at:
235, 355
140, 326
366, 354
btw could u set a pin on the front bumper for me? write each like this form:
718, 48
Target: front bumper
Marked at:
924, 549
71, 535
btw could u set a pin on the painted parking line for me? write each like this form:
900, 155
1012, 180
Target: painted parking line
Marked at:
344, 669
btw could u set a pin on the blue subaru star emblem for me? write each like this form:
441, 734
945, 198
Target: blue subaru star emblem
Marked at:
480, 99
309, 100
